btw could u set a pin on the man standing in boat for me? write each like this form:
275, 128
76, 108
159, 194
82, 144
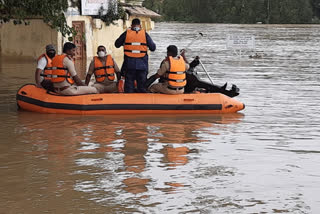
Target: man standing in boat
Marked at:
44, 66
135, 65
172, 73
105, 70
64, 74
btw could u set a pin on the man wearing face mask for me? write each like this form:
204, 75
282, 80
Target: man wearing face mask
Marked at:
105, 70
64, 75
135, 65
44, 67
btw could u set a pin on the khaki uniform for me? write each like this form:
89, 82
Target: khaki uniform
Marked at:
163, 87
62, 87
107, 86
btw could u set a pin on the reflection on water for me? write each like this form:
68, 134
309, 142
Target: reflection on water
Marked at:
264, 160
111, 159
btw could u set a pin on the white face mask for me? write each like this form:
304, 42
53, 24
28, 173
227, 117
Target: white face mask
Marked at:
101, 54
136, 28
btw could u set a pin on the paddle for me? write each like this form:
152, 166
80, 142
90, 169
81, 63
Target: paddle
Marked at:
205, 70
193, 41
188, 46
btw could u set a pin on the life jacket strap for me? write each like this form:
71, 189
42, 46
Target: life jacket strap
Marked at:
135, 51
49, 68
172, 88
136, 44
176, 72
104, 75
54, 76
103, 67
182, 80
56, 68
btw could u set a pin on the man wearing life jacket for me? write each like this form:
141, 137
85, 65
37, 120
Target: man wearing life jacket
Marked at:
105, 70
135, 65
44, 66
64, 76
172, 73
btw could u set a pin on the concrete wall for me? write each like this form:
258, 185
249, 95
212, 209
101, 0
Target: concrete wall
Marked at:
26, 40
30, 40
97, 33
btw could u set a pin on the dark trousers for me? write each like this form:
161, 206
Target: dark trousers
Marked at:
140, 76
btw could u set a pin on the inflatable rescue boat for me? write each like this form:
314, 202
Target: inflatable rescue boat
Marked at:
31, 98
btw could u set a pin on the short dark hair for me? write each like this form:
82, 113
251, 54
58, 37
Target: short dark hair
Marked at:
173, 50
101, 46
136, 22
68, 46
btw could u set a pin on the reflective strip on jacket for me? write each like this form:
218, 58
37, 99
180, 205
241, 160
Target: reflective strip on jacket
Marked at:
135, 44
47, 71
176, 75
101, 71
59, 72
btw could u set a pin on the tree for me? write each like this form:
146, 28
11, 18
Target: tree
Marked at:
154, 5
238, 11
52, 12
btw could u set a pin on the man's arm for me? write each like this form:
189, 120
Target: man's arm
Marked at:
70, 65
90, 72
117, 70
161, 71
40, 67
88, 78
120, 41
37, 77
183, 51
151, 79
151, 45
195, 62
163, 68
78, 81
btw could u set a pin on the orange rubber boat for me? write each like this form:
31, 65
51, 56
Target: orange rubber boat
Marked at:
31, 98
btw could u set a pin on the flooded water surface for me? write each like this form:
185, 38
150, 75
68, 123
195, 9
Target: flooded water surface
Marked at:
262, 160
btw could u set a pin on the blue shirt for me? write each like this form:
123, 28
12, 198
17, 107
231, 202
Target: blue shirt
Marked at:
131, 63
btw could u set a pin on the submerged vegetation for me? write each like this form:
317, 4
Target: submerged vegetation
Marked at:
238, 11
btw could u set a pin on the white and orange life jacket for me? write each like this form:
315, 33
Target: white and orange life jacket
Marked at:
101, 71
59, 72
176, 75
135, 44
46, 73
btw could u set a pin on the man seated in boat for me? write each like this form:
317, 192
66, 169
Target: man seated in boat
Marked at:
44, 66
64, 75
105, 70
194, 83
172, 73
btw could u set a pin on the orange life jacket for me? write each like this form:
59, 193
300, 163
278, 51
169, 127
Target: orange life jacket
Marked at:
135, 44
46, 73
101, 71
59, 72
176, 75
